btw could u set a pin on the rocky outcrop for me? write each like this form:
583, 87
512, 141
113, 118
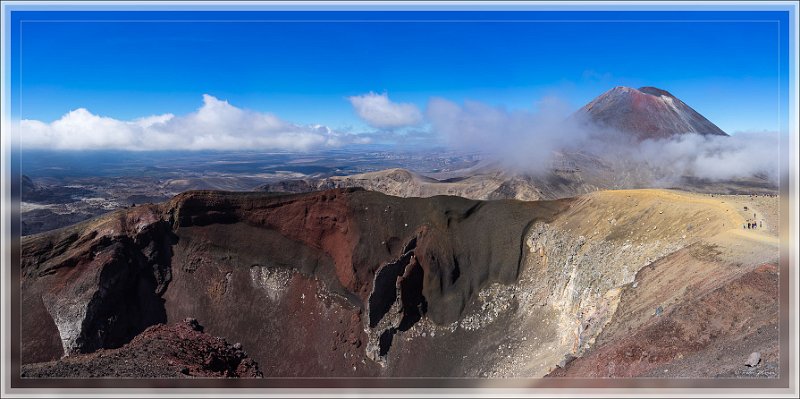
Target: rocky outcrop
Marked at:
98, 284
179, 350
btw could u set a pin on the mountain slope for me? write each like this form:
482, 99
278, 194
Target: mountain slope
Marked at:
646, 113
487, 184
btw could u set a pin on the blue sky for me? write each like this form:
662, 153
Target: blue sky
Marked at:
727, 65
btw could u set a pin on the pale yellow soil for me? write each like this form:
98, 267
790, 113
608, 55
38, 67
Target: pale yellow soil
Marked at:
765, 208
582, 262
710, 257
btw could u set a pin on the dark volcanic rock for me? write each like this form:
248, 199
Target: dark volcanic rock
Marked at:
461, 244
646, 113
290, 277
98, 283
161, 351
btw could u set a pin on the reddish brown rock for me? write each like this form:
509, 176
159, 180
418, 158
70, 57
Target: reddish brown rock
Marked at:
646, 113
160, 351
286, 276
695, 338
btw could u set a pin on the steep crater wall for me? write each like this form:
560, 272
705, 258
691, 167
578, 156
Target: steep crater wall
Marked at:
248, 264
363, 280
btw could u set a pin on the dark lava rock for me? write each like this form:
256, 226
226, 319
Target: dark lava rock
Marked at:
230, 259
195, 325
160, 351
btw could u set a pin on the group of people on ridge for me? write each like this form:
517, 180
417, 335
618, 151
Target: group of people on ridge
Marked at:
752, 224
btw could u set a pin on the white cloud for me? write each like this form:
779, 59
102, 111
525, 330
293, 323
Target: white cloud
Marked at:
216, 125
520, 140
528, 141
741, 155
380, 112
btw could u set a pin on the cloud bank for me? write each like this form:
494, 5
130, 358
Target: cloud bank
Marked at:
742, 155
381, 113
532, 141
216, 125
520, 140
524, 141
